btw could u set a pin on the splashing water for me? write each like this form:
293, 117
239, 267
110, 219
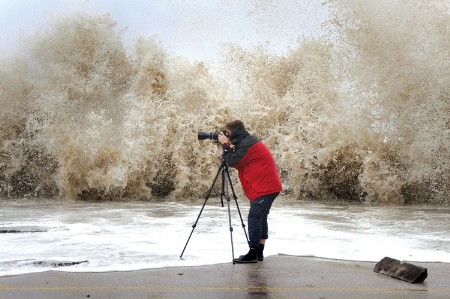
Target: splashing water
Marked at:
125, 236
359, 114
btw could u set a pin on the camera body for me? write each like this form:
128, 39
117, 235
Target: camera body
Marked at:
211, 135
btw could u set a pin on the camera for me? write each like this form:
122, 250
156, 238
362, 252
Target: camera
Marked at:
211, 135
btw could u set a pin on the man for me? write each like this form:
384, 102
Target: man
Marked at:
260, 181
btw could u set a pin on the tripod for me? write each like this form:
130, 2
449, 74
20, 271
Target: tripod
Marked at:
223, 169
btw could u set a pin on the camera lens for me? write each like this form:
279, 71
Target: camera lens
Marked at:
210, 136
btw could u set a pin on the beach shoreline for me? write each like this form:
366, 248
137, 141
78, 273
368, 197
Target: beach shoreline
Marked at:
279, 276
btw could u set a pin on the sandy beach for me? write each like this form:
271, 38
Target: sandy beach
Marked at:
275, 277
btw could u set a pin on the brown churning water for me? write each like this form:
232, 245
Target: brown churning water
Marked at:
360, 114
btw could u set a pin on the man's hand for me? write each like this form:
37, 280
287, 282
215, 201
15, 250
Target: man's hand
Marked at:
223, 138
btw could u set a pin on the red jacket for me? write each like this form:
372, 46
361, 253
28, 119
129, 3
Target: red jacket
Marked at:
258, 172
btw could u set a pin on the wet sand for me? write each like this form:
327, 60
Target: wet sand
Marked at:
275, 277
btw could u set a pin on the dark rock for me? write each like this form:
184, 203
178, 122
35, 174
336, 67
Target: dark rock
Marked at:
403, 271
57, 264
22, 229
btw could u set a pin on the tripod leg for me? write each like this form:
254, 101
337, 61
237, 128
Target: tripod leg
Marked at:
237, 206
201, 210
193, 227
227, 196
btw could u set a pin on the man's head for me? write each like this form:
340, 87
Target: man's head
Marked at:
236, 131
233, 125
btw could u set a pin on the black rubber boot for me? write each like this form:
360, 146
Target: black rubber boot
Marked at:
250, 257
260, 253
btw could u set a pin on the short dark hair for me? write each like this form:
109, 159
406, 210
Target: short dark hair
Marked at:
234, 124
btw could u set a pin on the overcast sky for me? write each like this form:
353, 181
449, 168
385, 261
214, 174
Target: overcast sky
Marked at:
191, 28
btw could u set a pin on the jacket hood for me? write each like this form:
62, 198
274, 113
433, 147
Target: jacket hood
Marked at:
237, 134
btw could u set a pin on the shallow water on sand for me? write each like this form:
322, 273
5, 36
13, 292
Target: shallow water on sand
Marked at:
117, 236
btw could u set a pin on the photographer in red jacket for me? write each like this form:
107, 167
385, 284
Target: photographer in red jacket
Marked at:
260, 181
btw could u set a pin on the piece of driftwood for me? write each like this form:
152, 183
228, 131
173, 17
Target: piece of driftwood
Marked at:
404, 271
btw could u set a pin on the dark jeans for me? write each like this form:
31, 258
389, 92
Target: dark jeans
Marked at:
257, 218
